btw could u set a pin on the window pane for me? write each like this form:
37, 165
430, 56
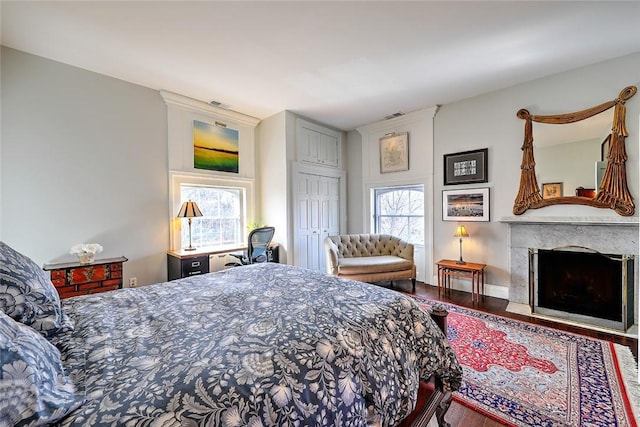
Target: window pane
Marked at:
399, 211
221, 223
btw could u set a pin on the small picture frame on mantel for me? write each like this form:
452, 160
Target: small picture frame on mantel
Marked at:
394, 152
551, 190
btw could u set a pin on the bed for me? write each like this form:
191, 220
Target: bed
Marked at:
265, 344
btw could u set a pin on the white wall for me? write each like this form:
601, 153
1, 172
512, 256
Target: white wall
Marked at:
490, 121
271, 149
84, 159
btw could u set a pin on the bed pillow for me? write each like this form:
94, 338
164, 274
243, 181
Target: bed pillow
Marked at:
26, 292
34, 389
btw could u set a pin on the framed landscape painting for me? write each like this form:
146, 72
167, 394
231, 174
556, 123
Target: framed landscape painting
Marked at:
465, 205
467, 167
215, 147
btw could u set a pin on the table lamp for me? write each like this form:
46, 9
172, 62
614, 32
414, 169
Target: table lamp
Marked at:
189, 210
461, 232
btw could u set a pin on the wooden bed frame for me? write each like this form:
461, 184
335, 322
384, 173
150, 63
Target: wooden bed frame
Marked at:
432, 399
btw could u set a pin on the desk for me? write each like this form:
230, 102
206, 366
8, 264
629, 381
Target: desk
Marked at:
448, 268
181, 263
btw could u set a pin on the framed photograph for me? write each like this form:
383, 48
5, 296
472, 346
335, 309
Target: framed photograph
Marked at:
465, 205
551, 190
394, 153
467, 167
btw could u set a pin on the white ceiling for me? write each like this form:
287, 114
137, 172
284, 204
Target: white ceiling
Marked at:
342, 63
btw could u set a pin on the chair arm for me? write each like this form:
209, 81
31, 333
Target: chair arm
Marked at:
404, 250
331, 250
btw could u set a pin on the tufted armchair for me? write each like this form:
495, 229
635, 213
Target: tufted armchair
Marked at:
370, 257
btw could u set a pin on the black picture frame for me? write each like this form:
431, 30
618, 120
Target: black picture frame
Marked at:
466, 167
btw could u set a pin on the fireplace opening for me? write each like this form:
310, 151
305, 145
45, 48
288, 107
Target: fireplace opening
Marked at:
587, 284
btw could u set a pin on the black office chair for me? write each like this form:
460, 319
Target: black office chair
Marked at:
257, 245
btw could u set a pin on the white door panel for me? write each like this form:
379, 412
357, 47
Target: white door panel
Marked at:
317, 216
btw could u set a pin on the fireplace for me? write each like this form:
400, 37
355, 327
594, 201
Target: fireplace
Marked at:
584, 285
607, 235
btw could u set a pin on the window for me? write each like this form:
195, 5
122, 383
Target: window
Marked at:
399, 211
225, 204
222, 220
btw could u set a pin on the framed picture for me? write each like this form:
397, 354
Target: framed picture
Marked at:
215, 147
465, 205
551, 190
394, 153
467, 167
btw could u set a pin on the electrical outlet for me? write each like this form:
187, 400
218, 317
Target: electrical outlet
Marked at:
133, 282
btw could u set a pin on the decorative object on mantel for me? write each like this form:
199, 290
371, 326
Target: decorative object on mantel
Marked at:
551, 190
189, 210
461, 232
467, 167
86, 252
394, 152
612, 193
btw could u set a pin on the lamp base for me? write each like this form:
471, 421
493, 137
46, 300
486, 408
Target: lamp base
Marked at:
461, 262
190, 248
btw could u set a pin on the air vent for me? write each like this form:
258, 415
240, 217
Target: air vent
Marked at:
394, 115
219, 104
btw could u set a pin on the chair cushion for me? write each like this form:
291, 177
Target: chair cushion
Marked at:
373, 264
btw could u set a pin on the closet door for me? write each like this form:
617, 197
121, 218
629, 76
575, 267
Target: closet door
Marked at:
329, 213
317, 213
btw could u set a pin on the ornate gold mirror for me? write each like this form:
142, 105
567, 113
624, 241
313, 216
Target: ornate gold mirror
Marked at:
611, 191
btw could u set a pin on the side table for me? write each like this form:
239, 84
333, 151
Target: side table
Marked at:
72, 278
448, 268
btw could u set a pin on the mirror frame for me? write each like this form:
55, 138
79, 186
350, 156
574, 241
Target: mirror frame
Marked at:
613, 192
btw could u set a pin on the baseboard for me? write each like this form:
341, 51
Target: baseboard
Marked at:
490, 290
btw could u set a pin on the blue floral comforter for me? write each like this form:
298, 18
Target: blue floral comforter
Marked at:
261, 345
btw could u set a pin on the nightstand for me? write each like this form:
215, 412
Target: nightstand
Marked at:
72, 278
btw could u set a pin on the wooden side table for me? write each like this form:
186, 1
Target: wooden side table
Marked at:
448, 268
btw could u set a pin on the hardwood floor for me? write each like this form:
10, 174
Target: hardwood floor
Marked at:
459, 415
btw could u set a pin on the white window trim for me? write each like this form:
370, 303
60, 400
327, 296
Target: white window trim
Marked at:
177, 178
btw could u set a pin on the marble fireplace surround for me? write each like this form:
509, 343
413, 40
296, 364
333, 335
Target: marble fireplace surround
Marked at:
613, 235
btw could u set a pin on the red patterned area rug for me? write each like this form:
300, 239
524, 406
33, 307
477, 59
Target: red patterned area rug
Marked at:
522, 374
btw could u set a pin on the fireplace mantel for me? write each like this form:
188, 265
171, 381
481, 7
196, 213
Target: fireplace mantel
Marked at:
573, 220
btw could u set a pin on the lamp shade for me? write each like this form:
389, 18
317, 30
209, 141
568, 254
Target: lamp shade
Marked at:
189, 210
461, 232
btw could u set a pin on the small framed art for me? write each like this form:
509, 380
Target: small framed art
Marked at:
467, 167
465, 205
551, 190
394, 153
